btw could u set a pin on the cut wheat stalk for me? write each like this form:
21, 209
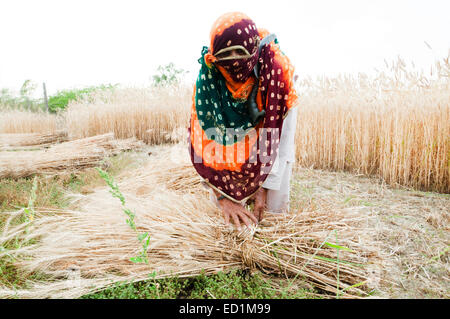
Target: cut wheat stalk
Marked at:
64, 157
11, 140
89, 247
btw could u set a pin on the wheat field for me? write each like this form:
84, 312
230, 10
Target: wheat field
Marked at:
19, 121
394, 125
149, 114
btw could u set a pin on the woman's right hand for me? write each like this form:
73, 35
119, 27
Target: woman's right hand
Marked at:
237, 213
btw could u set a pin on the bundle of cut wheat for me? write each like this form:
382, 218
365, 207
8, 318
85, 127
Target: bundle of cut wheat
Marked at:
68, 156
9, 141
89, 247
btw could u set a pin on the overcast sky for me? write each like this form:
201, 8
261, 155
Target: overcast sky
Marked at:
78, 43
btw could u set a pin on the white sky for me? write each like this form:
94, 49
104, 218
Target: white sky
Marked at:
79, 43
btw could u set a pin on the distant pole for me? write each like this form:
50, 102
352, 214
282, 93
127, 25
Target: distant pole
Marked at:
45, 97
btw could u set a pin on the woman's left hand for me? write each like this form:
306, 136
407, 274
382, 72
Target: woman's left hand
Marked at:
260, 203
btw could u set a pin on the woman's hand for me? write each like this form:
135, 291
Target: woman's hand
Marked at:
237, 213
260, 203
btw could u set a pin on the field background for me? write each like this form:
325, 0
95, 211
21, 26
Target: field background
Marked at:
376, 144
395, 125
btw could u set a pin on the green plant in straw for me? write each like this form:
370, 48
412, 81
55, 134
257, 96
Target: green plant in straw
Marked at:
338, 261
144, 238
29, 210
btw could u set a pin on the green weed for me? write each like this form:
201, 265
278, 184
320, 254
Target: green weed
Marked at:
235, 284
144, 238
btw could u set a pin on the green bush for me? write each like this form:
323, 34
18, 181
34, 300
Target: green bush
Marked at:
24, 101
167, 74
56, 102
60, 100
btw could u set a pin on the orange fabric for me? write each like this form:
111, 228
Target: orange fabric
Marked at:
288, 72
208, 147
210, 59
238, 90
224, 22
263, 32
238, 169
288, 69
242, 90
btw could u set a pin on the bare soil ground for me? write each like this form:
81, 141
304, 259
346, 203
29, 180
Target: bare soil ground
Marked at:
412, 227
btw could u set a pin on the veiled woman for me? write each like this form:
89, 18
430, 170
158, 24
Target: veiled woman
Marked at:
243, 120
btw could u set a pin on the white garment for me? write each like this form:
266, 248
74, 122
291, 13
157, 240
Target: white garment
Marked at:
278, 181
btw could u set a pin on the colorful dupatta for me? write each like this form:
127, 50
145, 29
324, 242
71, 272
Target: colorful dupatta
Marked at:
232, 155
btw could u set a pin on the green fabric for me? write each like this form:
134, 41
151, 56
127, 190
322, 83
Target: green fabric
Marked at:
216, 108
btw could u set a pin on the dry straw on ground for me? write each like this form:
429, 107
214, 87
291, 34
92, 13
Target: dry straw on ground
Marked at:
64, 157
413, 226
15, 140
88, 247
